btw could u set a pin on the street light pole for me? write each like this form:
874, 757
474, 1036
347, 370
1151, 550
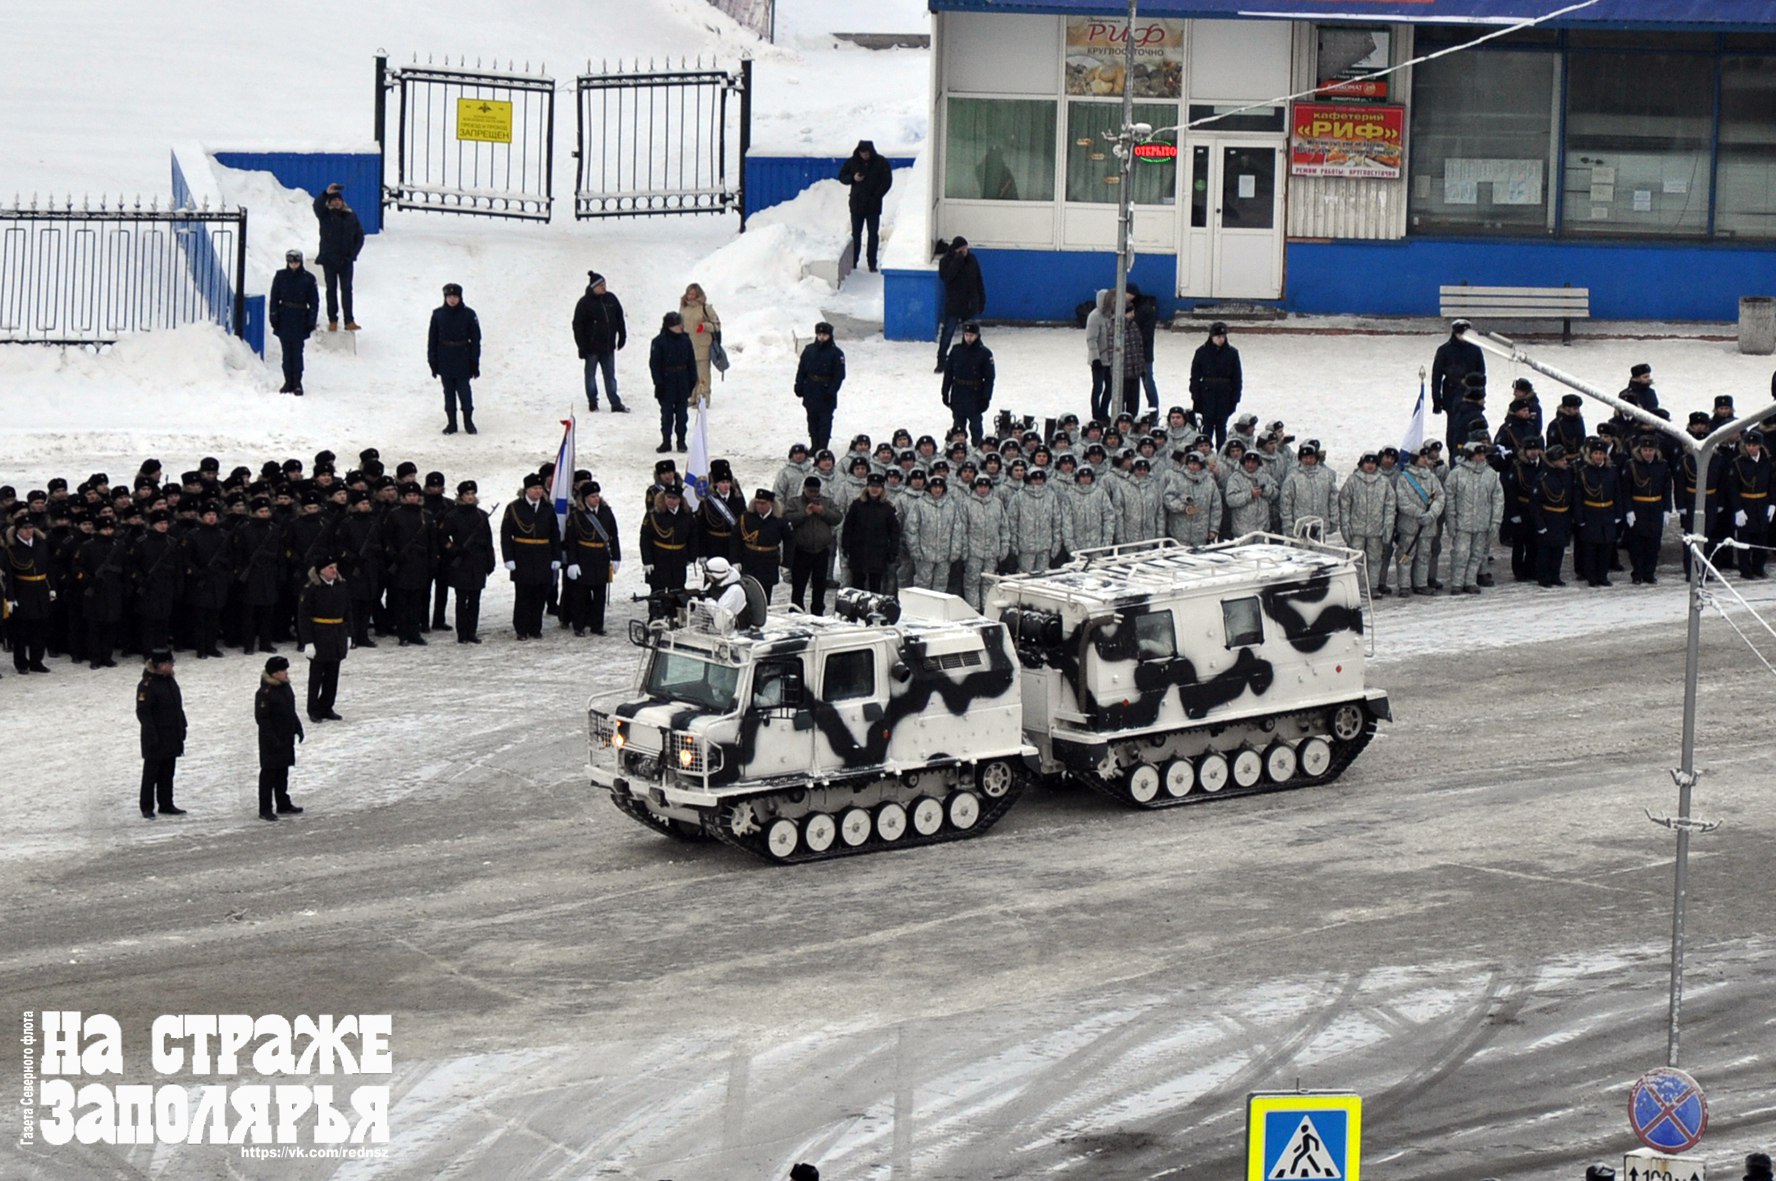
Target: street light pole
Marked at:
1125, 209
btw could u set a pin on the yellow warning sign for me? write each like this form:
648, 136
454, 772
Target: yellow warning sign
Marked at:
484, 120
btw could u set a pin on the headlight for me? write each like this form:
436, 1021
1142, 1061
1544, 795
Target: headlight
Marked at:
617, 738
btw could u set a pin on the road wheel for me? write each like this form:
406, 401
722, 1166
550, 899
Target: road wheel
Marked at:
1279, 763
928, 816
855, 826
995, 779
1180, 777
891, 822
782, 837
1316, 757
819, 832
1143, 783
1347, 722
964, 810
1248, 768
1211, 772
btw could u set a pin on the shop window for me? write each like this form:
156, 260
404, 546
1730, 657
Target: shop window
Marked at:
1745, 194
999, 150
1638, 130
1093, 172
1482, 140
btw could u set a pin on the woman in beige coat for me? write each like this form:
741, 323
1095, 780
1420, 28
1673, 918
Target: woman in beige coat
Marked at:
700, 324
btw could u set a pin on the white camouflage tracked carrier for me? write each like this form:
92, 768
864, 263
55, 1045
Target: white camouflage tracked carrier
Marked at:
1166, 675
884, 726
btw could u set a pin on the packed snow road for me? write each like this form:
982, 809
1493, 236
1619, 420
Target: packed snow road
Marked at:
1469, 929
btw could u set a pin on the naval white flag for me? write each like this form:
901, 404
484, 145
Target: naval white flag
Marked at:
1415, 429
697, 461
561, 483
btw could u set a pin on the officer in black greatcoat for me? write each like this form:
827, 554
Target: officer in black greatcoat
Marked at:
530, 546
293, 307
1647, 480
160, 708
466, 539
409, 541
1599, 511
718, 515
453, 349
99, 575
1456, 358
360, 560
594, 552
1216, 382
1567, 427
762, 533
258, 559
28, 592
1748, 487
819, 374
870, 178
274, 710
667, 538
207, 578
1551, 506
968, 383
155, 572
323, 630
436, 505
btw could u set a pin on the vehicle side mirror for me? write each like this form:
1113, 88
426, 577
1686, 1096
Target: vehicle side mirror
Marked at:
901, 672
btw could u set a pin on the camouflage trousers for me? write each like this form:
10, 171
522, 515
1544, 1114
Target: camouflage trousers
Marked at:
972, 569
1414, 548
1467, 553
1372, 551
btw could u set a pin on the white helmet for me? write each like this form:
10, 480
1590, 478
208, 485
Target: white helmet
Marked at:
721, 570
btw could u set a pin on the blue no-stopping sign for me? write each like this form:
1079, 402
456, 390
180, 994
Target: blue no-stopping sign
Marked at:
1667, 1110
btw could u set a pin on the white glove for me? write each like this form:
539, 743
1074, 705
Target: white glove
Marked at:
1739, 517
573, 571
311, 653
647, 570
1516, 520
511, 566
554, 566
615, 566
1630, 518
52, 596
12, 605
350, 643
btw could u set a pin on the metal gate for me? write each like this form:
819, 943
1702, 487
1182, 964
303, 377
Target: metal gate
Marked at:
660, 141
89, 276
469, 140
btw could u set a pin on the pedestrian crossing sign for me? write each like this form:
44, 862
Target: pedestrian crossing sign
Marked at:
1303, 1136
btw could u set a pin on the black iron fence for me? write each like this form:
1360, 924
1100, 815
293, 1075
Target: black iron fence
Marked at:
758, 15
89, 276
469, 140
661, 141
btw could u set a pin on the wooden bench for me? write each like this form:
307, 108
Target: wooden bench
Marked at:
1565, 304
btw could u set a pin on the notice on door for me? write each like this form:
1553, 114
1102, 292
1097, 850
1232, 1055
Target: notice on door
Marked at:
1342, 139
484, 120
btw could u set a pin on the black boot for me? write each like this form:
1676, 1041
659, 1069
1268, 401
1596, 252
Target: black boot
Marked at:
617, 407
450, 427
665, 445
681, 442
469, 421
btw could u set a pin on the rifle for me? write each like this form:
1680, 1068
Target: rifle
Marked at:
246, 570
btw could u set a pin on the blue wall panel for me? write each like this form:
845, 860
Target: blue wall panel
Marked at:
1628, 281
359, 172
772, 180
911, 301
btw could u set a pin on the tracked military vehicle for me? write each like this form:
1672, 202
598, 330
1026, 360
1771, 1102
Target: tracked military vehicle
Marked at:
884, 726
1165, 675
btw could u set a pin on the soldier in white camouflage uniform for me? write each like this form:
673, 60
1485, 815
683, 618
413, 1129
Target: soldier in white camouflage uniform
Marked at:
1193, 502
1142, 508
1091, 517
1476, 506
1249, 492
932, 535
1033, 519
1366, 509
985, 538
1419, 502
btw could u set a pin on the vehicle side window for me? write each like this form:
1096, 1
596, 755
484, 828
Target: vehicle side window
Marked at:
768, 681
1244, 622
1154, 638
850, 675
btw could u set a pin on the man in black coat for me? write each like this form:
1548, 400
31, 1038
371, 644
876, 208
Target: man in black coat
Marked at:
1598, 511
965, 293
466, 539
274, 709
1551, 509
1456, 358
1467, 416
762, 533
1748, 487
667, 536
342, 238
293, 307
872, 536
360, 553
258, 559
156, 567
594, 552
530, 546
29, 595
323, 630
672, 362
160, 708
599, 332
1647, 483
1639, 389
409, 543
1216, 382
870, 178
968, 383
453, 349
819, 374
99, 574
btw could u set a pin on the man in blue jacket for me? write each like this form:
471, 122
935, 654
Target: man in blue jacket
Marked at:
342, 239
293, 308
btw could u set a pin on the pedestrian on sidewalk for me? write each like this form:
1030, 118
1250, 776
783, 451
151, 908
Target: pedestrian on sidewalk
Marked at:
453, 349
342, 240
274, 709
869, 177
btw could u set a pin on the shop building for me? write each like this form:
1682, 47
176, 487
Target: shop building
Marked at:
1627, 146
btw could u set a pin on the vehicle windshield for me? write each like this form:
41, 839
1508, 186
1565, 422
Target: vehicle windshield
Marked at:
682, 676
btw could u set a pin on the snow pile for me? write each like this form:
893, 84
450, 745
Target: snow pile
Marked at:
279, 219
770, 296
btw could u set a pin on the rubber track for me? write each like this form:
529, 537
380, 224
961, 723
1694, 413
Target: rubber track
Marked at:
991, 811
1343, 754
